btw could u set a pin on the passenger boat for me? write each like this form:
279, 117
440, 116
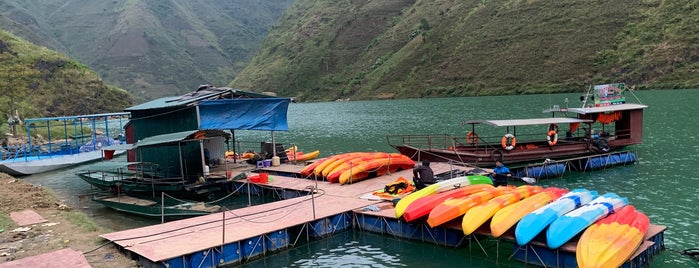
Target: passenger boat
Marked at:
151, 208
604, 108
58, 142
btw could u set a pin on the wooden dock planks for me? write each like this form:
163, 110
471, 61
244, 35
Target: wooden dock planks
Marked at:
174, 239
177, 238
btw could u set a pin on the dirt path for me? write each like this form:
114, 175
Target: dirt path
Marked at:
68, 229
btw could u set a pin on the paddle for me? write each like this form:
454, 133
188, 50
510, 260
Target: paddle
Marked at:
528, 180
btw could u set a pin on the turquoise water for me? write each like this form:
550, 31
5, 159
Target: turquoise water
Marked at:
661, 184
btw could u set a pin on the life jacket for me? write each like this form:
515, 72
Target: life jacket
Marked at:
400, 186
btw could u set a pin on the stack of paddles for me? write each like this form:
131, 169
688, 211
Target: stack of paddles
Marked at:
611, 229
354, 167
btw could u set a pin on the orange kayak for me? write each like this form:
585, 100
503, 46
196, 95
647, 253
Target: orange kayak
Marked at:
453, 208
378, 166
332, 172
422, 206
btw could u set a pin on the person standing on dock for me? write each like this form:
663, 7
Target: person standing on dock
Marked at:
423, 175
500, 174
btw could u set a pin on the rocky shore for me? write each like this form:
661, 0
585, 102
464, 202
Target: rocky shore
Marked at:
66, 227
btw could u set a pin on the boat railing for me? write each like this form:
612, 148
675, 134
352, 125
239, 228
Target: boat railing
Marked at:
427, 141
52, 149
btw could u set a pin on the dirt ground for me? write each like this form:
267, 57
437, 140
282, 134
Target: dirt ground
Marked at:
68, 228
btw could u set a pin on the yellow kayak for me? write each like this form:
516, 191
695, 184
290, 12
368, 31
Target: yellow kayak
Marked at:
478, 215
508, 216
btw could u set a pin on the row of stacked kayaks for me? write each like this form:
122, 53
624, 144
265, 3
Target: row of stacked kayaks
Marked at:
611, 229
357, 166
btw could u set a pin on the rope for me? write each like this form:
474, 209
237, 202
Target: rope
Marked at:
322, 192
297, 205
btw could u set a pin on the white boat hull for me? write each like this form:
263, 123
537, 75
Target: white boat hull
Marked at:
34, 165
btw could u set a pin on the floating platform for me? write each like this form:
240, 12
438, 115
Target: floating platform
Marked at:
557, 168
536, 252
308, 209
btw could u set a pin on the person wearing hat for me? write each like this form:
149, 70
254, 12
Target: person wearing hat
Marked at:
423, 175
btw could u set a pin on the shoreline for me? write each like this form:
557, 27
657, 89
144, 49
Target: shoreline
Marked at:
66, 228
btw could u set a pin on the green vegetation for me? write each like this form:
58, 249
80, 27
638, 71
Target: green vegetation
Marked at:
417, 48
5, 222
38, 82
152, 48
82, 220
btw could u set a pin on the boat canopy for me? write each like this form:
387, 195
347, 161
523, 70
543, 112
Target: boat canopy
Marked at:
528, 122
608, 108
172, 138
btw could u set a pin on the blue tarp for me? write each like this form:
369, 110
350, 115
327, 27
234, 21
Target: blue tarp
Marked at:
244, 114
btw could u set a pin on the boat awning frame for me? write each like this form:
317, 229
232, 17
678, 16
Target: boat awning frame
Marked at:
529, 121
606, 109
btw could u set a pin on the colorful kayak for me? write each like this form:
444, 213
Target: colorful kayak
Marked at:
345, 162
300, 156
377, 167
439, 187
335, 170
309, 169
478, 215
318, 170
572, 223
453, 208
533, 223
508, 216
423, 205
612, 240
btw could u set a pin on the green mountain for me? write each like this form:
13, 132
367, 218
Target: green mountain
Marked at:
361, 49
153, 48
39, 82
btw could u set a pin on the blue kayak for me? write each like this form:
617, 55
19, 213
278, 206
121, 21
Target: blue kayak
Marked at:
533, 223
572, 223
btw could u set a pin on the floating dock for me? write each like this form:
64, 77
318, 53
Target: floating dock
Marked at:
557, 168
308, 209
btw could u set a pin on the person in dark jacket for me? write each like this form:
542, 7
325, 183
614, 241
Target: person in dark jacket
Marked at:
423, 175
500, 174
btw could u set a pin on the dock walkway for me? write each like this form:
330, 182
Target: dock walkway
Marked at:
235, 235
239, 235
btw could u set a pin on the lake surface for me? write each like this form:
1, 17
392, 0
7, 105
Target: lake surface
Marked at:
662, 185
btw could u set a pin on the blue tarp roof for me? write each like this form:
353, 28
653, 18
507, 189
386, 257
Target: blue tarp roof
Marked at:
244, 114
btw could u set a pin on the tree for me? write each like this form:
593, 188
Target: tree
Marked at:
15, 80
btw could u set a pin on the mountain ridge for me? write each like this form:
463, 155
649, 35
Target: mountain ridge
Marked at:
418, 48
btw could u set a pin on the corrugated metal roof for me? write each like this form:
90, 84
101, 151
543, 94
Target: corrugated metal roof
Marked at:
165, 138
535, 121
177, 137
203, 93
118, 147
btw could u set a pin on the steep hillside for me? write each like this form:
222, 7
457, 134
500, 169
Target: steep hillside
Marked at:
361, 49
152, 48
38, 82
